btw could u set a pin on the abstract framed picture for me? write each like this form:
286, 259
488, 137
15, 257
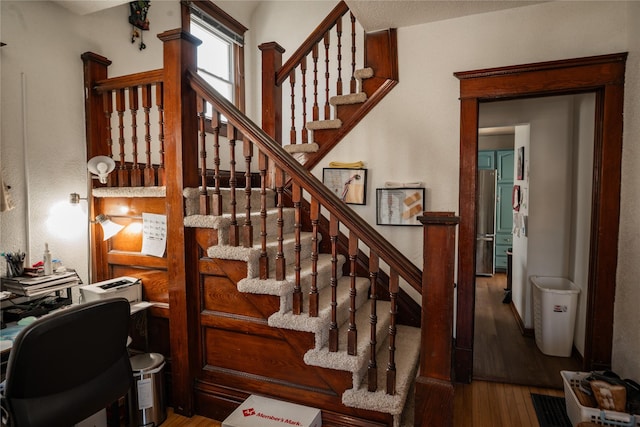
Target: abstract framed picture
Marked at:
399, 206
350, 185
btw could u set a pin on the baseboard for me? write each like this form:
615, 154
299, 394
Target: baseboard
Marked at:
527, 332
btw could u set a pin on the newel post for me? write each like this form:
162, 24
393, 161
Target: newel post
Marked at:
95, 69
181, 163
271, 97
434, 389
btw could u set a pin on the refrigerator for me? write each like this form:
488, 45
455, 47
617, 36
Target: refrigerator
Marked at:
486, 223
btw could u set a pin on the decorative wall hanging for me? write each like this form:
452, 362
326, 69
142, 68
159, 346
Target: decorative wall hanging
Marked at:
516, 198
520, 164
138, 19
350, 185
399, 206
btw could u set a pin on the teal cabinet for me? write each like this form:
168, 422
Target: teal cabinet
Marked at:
504, 209
486, 159
502, 162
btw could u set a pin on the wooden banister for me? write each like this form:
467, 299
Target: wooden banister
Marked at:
130, 80
365, 232
434, 389
306, 47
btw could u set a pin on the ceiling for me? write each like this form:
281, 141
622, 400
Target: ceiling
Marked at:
381, 14
86, 7
371, 14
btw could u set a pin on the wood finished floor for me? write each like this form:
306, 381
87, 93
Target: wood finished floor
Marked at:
511, 365
501, 352
479, 404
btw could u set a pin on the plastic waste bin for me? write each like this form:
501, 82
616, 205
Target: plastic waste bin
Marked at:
555, 301
146, 397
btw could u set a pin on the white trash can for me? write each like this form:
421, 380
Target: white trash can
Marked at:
146, 398
555, 301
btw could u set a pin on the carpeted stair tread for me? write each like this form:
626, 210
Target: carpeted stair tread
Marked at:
310, 147
284, 288
407, 355
324, 124
158, 191
363, 73
349, 99
252, 255
340, 359
222, 223
320, 325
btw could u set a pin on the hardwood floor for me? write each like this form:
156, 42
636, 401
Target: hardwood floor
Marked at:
479, 404
175, 420
492, 404
501, 352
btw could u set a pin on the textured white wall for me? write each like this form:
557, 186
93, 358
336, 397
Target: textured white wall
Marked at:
626, 334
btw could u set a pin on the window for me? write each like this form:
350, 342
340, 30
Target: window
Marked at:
215, 58
221, 54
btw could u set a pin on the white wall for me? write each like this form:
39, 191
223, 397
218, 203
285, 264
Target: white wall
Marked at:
580, 223
626, 335
519, 277
412, 135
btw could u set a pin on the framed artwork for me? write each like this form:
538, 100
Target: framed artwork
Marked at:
399, 206
520, 164
350, 185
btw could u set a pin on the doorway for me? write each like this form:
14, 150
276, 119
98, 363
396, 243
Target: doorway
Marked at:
604, 76
547, 229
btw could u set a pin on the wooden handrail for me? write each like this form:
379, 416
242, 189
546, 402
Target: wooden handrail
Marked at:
367, 234
306, 47
130, 80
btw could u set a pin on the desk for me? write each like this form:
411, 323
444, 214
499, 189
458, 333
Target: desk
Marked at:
36, 296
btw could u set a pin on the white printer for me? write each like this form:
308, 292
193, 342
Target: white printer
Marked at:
124, 287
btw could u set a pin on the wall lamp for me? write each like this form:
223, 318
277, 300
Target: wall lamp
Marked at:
109, 228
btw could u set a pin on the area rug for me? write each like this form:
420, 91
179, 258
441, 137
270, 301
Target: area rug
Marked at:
550, 410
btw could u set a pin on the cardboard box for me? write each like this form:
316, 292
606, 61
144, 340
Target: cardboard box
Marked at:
259, 411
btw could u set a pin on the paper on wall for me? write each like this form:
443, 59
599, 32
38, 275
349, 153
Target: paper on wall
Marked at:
154, 234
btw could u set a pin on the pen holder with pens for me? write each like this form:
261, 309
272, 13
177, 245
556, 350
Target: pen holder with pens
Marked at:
15, 264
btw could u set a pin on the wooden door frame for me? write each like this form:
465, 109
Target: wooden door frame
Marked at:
604, 76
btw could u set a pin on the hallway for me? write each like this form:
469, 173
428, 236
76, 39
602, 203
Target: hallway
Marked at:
501, 352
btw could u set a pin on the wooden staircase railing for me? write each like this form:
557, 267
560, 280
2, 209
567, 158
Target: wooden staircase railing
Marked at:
184, 155
311, 83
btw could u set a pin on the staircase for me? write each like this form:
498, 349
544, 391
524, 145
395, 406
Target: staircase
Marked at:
271, 284
315, 270
353, 99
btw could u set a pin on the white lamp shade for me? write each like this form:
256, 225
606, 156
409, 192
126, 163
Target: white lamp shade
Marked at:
101, 166
109, 228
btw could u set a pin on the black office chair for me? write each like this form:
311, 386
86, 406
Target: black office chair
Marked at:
69, 365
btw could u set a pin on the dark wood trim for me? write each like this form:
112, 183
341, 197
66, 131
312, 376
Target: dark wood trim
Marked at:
434, 390
181, 127
215, 12
603, 75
